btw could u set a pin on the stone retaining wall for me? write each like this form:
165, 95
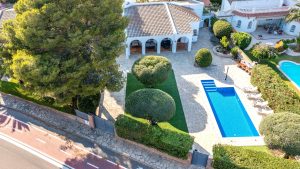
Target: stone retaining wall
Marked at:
70, 124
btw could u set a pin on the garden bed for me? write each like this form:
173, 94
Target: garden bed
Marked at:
15, 89
177, 123
220, 51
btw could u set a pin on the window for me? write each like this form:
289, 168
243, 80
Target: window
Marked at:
239, 23
293, 28
195, 32
250, 25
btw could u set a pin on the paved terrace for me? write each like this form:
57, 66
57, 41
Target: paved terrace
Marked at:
200, 119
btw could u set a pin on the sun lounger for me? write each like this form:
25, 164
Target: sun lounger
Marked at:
250, 89
261, 104
266, 111
254, 96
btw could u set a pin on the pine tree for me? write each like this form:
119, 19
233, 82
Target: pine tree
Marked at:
65, 49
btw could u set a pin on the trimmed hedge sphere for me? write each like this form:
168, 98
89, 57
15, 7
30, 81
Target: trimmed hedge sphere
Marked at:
203, 58
241, 39
282, 131
152, 70
222, 28
152, 104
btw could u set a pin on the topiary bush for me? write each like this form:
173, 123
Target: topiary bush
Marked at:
234, 52
224, 42
222, 28
235, 157
152, 70
152, 104
280, 96
173, 143
241, 39
282, 131
203, 57
263, 52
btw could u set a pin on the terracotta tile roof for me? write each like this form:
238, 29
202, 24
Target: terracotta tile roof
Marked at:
266, 14
6, 14
155, 20
182, 17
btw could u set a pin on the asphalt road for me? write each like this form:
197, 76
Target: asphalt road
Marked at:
13, 157
26, 129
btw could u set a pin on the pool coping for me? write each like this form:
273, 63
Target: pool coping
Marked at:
235, 141
278, 66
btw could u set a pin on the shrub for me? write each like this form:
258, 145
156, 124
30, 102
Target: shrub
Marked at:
152, 104
282, 131
280, 46
151, 70
234, 51
241, 39
173, 143
224, 42
88, 104
203, 57
222, 28
230, 157
263, 52
280, 96
213, 20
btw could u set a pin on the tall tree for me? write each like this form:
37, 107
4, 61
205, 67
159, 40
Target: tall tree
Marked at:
294, 14
65, 49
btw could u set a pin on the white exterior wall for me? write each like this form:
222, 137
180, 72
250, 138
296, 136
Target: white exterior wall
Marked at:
259, 4
287, 28
225, 5
244, 23
195, 26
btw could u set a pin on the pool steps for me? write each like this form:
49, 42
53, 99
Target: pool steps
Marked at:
209, 85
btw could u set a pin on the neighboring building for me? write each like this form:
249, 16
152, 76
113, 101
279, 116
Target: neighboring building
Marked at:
6, 14
247, 15
162, 26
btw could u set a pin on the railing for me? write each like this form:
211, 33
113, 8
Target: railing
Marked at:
262, 10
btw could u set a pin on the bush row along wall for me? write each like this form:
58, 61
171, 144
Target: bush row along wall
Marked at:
230, 157
172, 143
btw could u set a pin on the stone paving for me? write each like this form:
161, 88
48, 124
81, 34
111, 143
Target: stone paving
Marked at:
200, 119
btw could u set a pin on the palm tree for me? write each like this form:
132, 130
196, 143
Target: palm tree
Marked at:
294, 14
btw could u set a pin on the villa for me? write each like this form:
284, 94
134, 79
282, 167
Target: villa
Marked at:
162, 26
248, 15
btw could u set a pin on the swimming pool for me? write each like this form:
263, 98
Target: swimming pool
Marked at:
229, 112
292, 71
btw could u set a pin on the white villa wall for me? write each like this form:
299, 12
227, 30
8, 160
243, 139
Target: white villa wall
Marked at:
287, 28
225, 5
244, 23
258, 4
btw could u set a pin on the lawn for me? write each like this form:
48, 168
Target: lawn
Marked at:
177, 123
15, 89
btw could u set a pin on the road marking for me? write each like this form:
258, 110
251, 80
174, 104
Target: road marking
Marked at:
34, 151
40, 140
111, 162
92, 165
65, 152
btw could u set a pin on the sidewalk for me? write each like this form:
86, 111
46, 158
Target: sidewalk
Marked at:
68, 124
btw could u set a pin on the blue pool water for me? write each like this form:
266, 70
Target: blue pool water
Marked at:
291, 70
229, 112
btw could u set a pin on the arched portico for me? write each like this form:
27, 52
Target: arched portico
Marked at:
182, 44
166, 44
151, 46
136, 47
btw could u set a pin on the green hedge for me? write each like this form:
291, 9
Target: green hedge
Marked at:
241, 39
222, 28
203, 57
152, 104
230, 157
173, 143
282, 131
280, 96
